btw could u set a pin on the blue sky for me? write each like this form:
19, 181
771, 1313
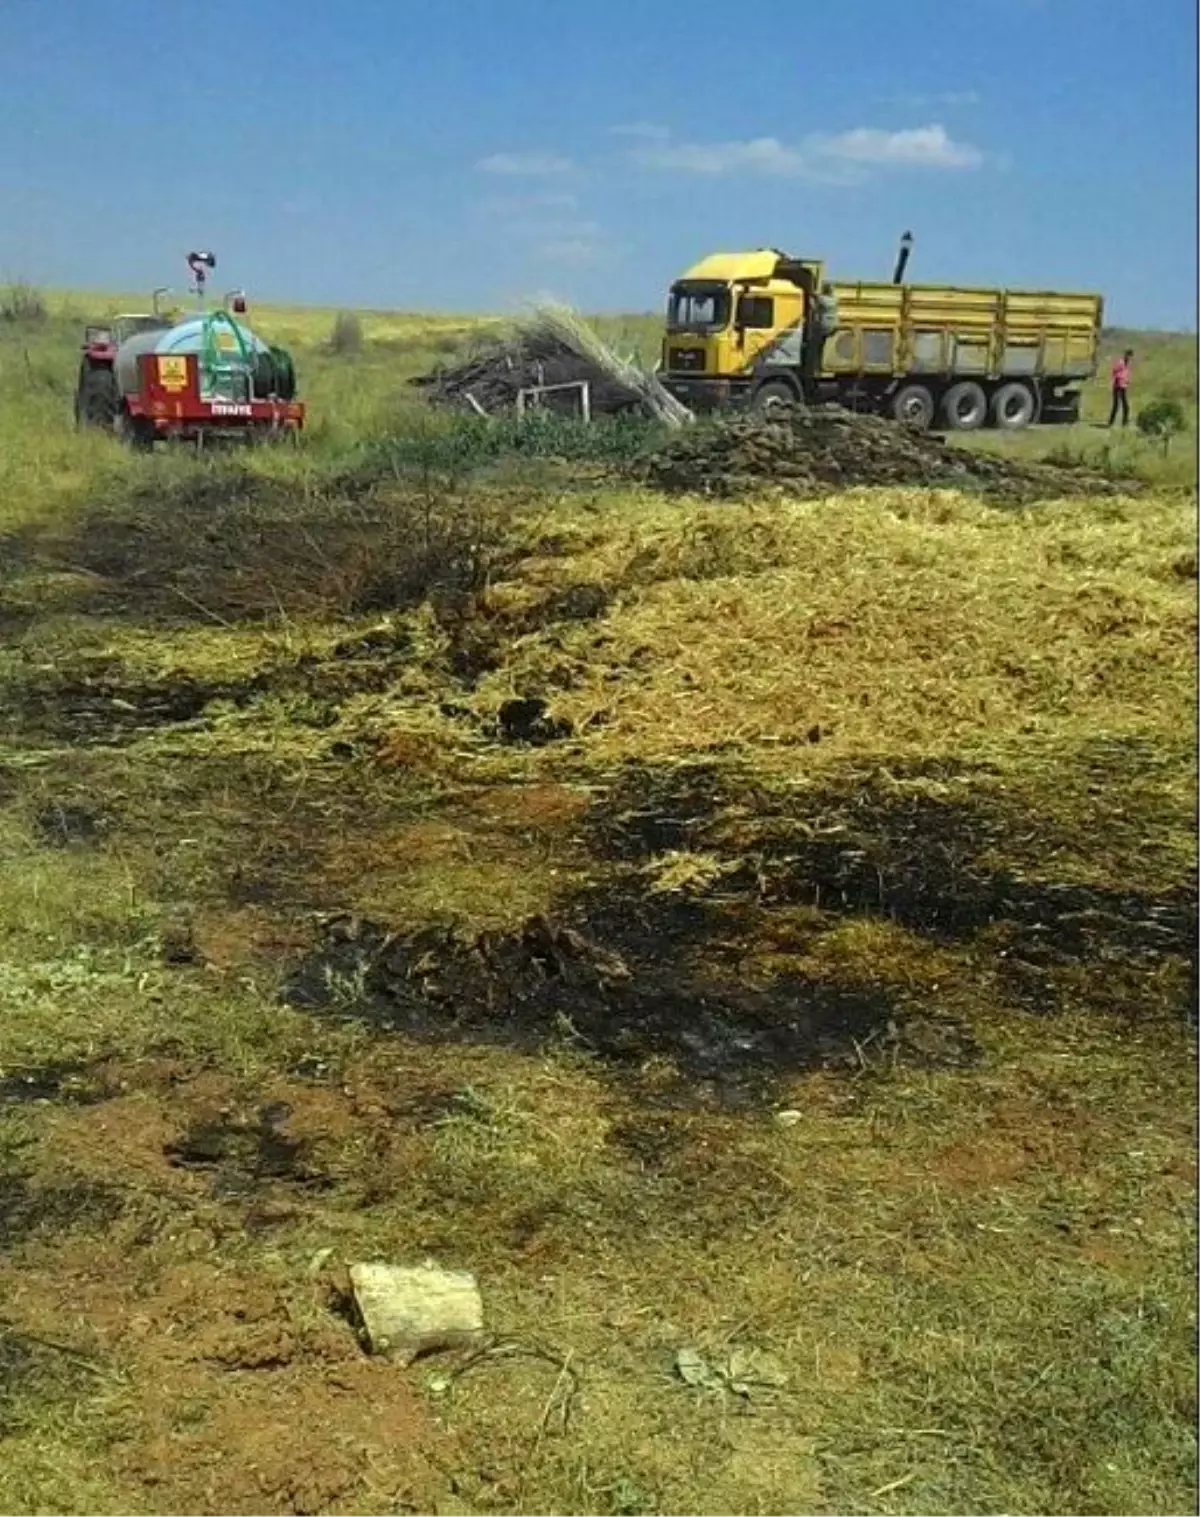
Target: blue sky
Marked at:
466, 154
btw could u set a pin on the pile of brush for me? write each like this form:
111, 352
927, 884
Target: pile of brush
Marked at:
826, 448
553, 347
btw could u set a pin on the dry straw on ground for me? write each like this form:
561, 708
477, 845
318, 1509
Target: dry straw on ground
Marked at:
874, 809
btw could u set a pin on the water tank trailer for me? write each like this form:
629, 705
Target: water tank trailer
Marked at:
150, 377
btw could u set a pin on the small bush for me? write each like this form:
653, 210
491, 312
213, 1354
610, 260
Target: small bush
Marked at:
347, 334
1163, 419
454, 446
23, 305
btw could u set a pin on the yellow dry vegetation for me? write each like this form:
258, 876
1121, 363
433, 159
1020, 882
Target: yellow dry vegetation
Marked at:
903, 623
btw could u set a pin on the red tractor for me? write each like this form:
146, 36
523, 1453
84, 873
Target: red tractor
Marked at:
152, 377
97, 398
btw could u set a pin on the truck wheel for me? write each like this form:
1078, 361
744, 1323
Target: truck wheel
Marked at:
1014, 405
774, 400
913, 406
965, 406
97, 399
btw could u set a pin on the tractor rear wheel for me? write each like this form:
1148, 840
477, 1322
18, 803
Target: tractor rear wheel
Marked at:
97, 399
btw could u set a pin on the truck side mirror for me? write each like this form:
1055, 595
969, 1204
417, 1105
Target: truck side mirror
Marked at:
739, 321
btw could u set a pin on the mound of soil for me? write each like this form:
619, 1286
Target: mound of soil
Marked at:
493, 375
828, 448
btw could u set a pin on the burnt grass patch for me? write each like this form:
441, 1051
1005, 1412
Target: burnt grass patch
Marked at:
106, 704
242, 1153
918, 862
630, 974
624, 978
68, 1082
66, 824
526, 720
230, 543
29, 1209
934, 863
107, 708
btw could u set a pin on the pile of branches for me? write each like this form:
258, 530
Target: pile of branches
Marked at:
828, 448
554, 347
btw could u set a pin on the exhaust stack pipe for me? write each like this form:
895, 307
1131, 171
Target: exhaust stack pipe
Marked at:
906, 246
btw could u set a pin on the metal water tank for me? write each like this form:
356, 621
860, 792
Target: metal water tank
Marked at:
125, 365
199, 335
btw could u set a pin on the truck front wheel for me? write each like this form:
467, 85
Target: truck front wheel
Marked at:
965, 406
912, 405
774, 400
1014, 405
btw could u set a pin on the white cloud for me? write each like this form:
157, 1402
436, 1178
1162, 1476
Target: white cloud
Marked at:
575, 243
549, 225
517, 164
576, 252
950, 99
840, 157
510, 207
929, 147
644, 129
760, 155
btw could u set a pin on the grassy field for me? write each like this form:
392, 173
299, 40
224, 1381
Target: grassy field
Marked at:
757, 930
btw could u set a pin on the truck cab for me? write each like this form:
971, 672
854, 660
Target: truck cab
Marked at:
736, 319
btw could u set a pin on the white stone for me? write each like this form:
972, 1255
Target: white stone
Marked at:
412, 1311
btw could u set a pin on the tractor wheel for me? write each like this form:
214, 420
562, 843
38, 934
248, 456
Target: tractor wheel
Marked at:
774, 400
1014, 405
97, 399
965, 406
912, 405
136, 431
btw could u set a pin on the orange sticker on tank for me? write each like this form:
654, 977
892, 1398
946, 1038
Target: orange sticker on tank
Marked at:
172, 373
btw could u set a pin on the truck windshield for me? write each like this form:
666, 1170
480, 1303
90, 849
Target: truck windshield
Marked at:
698, 309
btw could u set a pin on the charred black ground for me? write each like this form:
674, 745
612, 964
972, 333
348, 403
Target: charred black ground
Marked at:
241, 1151
628, 974
624, 997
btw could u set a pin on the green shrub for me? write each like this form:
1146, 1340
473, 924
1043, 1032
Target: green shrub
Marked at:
452, 446
23, 305
347, 335
1162, 418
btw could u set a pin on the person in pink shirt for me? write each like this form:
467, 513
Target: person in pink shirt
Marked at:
1120, 388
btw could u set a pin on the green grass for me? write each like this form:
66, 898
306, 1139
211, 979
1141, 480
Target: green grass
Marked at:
897, 757
1164, 368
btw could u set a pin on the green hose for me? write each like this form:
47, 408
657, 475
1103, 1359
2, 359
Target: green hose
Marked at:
212, 357
270, 372
212, 354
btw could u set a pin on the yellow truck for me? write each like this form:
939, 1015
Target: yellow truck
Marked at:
767, 330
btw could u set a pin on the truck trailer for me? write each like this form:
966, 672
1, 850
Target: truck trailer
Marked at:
766, 330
